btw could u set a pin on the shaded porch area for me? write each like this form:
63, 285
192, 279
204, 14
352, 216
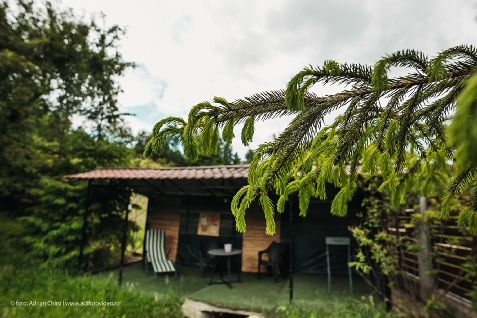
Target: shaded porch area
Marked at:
252, 295
181, 199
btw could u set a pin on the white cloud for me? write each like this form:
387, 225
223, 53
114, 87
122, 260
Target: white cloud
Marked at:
137, 124
140, 88
192, 50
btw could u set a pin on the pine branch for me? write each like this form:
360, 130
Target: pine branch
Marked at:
382, 119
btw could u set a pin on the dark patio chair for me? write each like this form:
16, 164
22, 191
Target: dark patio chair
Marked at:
275, 260
204, 257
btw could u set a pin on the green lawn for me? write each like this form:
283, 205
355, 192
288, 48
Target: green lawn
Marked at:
250, 295
143, 296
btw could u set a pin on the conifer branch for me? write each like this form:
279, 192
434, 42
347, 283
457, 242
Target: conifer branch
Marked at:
415, 110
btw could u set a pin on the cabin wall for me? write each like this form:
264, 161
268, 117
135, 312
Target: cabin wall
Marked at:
254, 239
165, 214
179, 216
310, 232
189, 239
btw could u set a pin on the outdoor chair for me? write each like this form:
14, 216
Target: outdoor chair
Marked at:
156, 253
275, 260
204, 257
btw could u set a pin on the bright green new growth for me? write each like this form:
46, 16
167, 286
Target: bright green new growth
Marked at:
463, 130
228, 131
248, 130
396, 127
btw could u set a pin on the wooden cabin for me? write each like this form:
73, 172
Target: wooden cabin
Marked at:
193, 203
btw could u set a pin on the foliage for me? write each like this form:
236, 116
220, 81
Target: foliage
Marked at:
33, 285
10, 232
352, 308
55, 237
138, 216
52, 64
381, 119
390, 237
53, 224
171, 155
55, 66
463, 128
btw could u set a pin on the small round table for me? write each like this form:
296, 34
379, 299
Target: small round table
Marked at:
219, 252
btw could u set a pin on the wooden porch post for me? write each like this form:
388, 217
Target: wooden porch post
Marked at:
147, 226
124, 239
424, 254
85, 225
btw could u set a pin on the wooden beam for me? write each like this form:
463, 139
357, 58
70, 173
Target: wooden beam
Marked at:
124, 240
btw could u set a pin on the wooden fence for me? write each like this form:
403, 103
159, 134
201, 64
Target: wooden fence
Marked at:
450, 247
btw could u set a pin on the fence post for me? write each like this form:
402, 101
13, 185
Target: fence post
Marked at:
424, 256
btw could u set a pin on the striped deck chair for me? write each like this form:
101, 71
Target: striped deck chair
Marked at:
156, 253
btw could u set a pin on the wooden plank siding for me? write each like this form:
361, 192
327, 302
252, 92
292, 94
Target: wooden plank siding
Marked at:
254, 239
166, 214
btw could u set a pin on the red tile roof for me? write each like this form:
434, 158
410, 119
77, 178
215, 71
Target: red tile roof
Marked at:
207, 172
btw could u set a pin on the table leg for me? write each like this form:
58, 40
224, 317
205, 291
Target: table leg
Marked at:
349, 270
238, 276
329, 270
213, 271
219, 261
221, 265
228, 268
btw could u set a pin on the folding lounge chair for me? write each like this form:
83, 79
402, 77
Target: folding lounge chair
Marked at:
156, 253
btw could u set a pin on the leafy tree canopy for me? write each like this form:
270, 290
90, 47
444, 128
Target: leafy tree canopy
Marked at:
396, 127
54, 65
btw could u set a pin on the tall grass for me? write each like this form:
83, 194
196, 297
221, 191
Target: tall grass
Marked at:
352, 308
49, 293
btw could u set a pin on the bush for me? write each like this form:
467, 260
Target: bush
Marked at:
48, 293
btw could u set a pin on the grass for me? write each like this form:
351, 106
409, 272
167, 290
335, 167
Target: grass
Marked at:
135, 277
43, 293
350, 308
264, 296
250, 295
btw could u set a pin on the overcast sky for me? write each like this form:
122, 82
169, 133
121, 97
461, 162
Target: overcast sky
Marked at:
191, 51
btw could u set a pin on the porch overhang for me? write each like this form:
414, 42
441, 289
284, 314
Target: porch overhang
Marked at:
178, 181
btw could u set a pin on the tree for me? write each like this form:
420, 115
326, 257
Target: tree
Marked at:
53, 223
53, 66
383, 119
249, 156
